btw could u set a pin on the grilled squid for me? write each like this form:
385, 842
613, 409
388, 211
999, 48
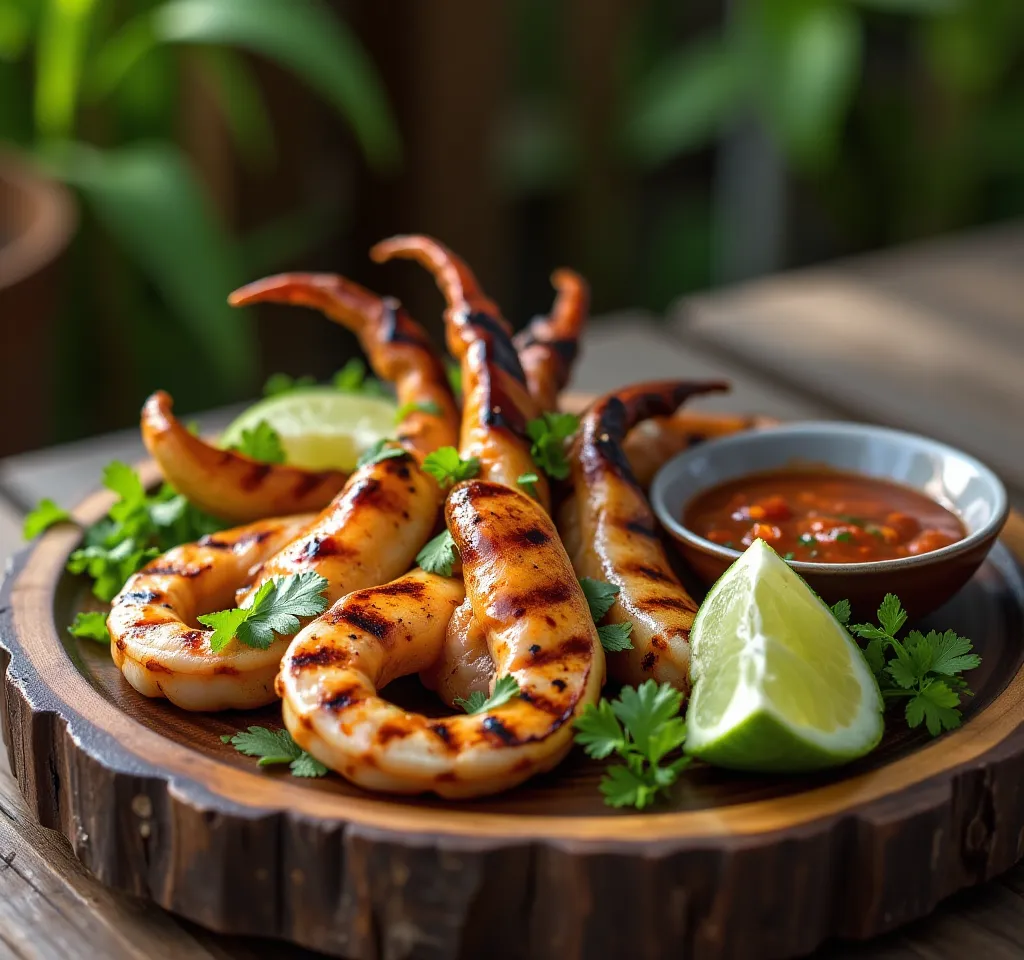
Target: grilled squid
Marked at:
548, 346
524, 594
398, 348
155, 638
611, 534
227, 484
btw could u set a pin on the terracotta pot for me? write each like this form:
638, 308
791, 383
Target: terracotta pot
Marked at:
37, 220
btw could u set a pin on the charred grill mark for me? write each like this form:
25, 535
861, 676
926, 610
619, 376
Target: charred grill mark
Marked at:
647, 664
403, 472
534, 536
496, 730
642, 527
211, 542
319, 547
120, 644
500, 409
339, 699
193, 639
225, 670
659, 643
682, 604
155, 666
550, 621
320, 657
396, 326
392, 730
255, 476
140, 596
499, 344
307, 483
577, 646
364, 619
649, 573
401, 588
559, 684
441, 731
542, 703
506, 604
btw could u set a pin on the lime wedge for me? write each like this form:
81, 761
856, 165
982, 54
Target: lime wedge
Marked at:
321, 428
778, 683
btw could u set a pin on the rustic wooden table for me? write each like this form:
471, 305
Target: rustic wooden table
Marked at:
931, 339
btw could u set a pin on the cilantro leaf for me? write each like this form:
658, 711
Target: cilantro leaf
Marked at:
272, 611
528, 481
91, 625
438, 554
379, 451
280, 383
891, 614
261, 442
598, 731
936, 704
275, 747
643, 727
600, 596
448, 468
614, 637
548, 434
110, 567
924, 668
417, 406
505, 688
45, 515
841, 611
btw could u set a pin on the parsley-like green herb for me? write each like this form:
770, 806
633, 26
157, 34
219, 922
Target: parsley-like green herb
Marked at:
417, 406
45, 515
548, 434
352, 378
448, 468
137, 528
789, 555
851, 520
806, 539
273, 610
438, 555
844, 537
273, 747
601, 598
91, 625
279, 383
924, 669
505, 689
841, 611
262, 443
379, 451
528, 481
643, 727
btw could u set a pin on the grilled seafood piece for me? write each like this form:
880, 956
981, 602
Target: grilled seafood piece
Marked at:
227, 484
368, 535
398, 348
523, 592
615, 536
548, 346
496, 405
155, 639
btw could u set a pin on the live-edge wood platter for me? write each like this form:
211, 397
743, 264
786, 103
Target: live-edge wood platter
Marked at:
733, 867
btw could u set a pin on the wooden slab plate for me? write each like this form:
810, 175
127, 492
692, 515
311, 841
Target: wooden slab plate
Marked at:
734, 866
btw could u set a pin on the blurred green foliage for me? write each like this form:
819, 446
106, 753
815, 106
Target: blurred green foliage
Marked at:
896, 119
92, 89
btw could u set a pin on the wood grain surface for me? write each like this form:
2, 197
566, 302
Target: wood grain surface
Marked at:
152, 802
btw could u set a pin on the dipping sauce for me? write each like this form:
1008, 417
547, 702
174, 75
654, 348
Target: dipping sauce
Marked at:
823, 517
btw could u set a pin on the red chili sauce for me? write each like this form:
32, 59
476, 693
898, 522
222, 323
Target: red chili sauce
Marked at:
823, 517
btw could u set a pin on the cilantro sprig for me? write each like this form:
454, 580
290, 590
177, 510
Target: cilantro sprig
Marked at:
281, 383
379, 451
601, 598
506, 688
925, 669
352, 378
273, 610
45, 515
274, 747
528, 481
644, 728
261, 442
448, 468
91, 626
438, 555
137, 528
548, 434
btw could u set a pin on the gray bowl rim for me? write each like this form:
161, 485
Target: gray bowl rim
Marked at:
989, 531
